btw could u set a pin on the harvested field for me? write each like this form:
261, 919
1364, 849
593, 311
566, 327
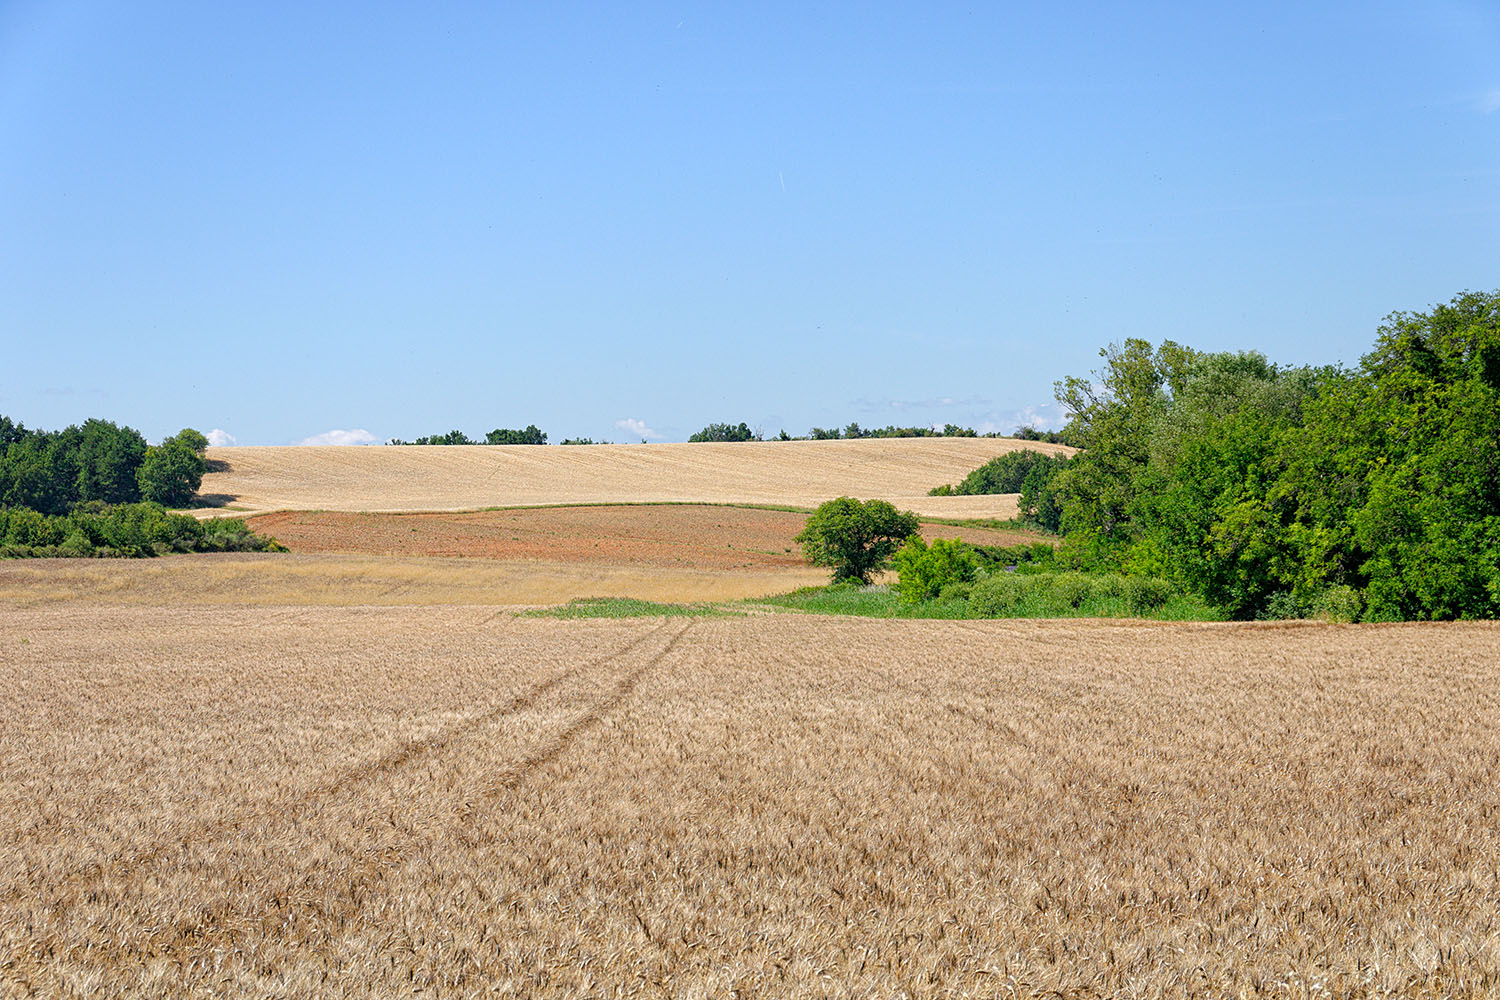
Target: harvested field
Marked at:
701, 537
350, 580
788, 473
311, 801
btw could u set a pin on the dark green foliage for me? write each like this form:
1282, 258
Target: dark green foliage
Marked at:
1051, 437
452, 437
853, 432
193, 439
725, 432
1277, 492
856, 539
132, 530
581, 441
530, 435
1006, 473
173, 470
1037, 555
925, 570
51, 471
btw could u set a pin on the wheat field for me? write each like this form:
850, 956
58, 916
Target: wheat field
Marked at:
462, 801
465, 477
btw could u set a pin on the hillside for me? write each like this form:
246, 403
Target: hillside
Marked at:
792, 473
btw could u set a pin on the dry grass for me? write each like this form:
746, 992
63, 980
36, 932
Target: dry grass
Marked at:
457, 801
794, 473
356, 580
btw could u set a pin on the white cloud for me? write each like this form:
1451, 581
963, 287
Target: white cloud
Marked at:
220, 439
1046, 417
341, 437
636, 427
1489, 102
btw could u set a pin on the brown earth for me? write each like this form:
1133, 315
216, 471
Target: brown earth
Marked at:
696, 536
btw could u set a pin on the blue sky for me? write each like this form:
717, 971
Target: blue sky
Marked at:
629, 220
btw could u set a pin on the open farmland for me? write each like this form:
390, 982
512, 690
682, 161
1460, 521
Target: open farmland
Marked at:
691, 535
462, 477
373, 801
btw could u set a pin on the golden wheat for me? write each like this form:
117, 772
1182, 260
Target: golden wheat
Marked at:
794, 473
375, 802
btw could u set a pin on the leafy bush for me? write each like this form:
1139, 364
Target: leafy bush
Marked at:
1047, 595
133, 530
927, 571
857, 539
1340, 603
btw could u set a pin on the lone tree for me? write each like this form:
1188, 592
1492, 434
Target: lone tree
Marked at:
856, 539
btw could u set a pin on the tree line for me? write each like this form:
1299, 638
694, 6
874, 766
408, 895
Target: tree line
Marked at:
1367, 493
98, 460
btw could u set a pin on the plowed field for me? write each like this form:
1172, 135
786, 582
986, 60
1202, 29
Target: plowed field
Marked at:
443, 801
701, 537
790, 473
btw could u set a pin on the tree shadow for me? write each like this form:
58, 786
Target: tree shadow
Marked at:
213, 500
215, 465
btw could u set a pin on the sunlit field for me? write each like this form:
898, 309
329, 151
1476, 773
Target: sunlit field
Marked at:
466, 800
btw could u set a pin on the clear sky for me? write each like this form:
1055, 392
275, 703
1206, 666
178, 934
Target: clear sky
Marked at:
281, 220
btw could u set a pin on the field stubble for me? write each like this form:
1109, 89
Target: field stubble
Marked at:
793, 473
372, 801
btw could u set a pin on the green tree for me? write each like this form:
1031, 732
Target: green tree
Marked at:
171, 472
1397, 479
725, 432
195, 440
107, 459
857, 539
532, 434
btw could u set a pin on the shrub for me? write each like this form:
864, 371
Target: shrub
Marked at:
1341, 603
926, 571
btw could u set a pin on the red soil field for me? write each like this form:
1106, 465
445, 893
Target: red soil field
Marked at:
699, 536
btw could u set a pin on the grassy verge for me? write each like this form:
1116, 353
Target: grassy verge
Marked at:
627, 607
1049, 595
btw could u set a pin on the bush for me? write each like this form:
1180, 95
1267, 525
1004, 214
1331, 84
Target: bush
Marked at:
856, 539
1045, 595
132, 530
1338, 604
1280, 606
927, 571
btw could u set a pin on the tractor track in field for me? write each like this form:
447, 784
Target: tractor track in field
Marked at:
287, 806
311, 901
